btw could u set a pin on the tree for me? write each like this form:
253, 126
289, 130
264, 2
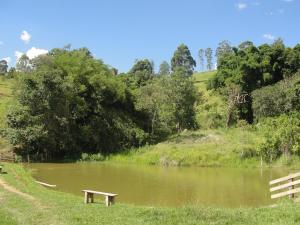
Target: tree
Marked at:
208, 55
201, 58
182, 58
69, 103
277, 99
11, 72
3, 67
223, 49
142, 71
155, 99
185, 97
250, 68
23, 64
280, 136
164, 68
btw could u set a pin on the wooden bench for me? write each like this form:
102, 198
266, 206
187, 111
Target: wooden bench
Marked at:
89, 197
286, 186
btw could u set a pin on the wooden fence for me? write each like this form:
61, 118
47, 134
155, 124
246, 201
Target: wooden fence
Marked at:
286, 186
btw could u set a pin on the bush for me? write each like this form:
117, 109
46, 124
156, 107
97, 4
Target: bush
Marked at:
85, 157
281, 136
277, 99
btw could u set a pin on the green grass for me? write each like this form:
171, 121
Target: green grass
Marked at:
220, 147
209, 146
5, 101
52, 207
212, 108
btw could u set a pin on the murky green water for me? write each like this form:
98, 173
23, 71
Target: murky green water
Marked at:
159, 186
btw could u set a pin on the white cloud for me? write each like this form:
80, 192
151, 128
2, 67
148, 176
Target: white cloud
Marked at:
31, 53
34, 52
241, 6
25, 36
7, 59
269, 37
18, 54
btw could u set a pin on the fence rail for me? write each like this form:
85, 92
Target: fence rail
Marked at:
286, 186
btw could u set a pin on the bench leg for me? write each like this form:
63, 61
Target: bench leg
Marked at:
91, 197
86, 197
112, 200
109, 200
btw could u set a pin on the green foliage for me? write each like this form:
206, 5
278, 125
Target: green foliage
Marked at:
182, 59
23, 64
280, 98
164, 69
209, 58
86, 157
201, 58
3, 67
155, 99
281, 137
142, 71
250, 68
68, 102
224, 48
211, 110
71, 102
185, 97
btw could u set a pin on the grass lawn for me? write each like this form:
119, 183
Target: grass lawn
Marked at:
24, 202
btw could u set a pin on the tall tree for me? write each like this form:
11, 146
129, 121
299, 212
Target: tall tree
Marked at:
142, 71
23, 64
201, 58
224, 48
185, 96
164, 68
3, 67
209, 58
182, 58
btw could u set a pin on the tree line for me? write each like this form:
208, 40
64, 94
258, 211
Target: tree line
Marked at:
67, 102
262, 87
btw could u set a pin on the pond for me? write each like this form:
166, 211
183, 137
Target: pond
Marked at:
164, 186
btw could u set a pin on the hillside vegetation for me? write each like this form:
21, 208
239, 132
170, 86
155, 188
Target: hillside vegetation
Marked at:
208, 146
5, 101
68, 105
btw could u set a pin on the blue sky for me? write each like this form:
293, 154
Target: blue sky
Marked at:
120, 31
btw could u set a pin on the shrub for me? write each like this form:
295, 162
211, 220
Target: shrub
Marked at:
277, 99
85, 157
281, 136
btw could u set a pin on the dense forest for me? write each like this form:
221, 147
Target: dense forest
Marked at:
67, 102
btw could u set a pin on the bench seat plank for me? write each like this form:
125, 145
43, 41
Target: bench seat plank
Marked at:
99, 193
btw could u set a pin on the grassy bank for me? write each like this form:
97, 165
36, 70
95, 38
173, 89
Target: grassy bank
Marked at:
24, 202
5, 100
222, 147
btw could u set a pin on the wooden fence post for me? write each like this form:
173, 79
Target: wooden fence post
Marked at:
291, 188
